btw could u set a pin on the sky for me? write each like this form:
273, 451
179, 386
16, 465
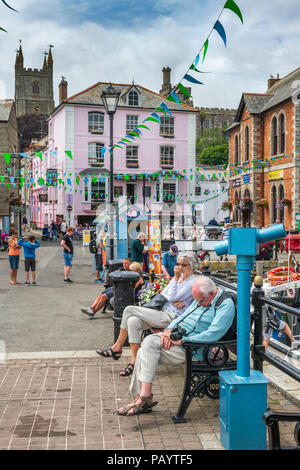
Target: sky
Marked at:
124, 41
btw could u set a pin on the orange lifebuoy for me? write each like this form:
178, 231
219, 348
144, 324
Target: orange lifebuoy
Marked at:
276, 276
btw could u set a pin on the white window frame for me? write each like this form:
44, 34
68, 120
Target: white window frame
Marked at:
94, 154
167, 126
97, 125
129, 125
169, 164
130, 93
132, 160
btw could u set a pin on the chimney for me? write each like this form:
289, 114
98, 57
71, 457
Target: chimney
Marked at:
273, 80
166, 86
63, 89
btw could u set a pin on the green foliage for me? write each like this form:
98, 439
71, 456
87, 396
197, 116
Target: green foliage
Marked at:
212, 148
215, 155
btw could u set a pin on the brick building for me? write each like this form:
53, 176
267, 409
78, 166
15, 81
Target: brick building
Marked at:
9, 143
264, 153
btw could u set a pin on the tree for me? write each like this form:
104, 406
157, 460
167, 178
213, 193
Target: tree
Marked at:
212, 138
32, 126
215, 155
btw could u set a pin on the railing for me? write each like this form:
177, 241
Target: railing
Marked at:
259, 355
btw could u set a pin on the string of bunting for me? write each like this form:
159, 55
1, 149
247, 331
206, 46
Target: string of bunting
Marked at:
8, 6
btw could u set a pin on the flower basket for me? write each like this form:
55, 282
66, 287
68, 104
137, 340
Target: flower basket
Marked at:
284, 202
237, 201
262, 203
226, 206
150, 289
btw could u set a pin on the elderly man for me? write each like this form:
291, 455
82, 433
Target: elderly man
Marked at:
168, 262
201, 322
105, 295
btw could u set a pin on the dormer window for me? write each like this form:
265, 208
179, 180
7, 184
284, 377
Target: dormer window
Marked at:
133, 98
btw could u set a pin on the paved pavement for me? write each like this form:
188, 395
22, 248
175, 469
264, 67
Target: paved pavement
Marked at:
47, 317
56, 393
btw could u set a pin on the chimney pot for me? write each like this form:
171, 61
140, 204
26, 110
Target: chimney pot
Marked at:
63, 89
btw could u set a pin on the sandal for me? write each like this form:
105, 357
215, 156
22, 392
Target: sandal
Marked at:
127, 370
145, 407
105, 353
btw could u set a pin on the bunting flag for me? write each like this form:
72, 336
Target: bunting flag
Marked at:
191, 79
40, 155
69, 154
205, 50
219, 28
231, 5
7, 157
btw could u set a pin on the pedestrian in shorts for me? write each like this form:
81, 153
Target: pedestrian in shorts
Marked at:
29, 244
68, 252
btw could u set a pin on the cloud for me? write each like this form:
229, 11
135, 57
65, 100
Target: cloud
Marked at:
120, 41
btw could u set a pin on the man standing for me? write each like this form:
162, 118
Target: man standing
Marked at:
68, 253
29, 254
53, 230
137, 248
224, 236
168, 262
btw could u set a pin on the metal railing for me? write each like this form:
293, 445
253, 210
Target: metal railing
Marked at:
259, 355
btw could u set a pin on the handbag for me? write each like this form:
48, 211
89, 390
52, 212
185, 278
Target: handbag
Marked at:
156, 303
272, 320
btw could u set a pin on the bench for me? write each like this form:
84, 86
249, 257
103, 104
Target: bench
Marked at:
202, 377
272, 420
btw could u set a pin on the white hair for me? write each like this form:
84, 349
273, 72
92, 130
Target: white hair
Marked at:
141, 235
190, 257
206, 285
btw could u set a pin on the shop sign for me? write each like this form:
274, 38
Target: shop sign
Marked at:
236, 183
275, 175
246, 178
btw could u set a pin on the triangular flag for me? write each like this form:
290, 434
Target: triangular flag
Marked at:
191, 79
205, 49
7, 157
69, 154
184, 90
231, 5
173, 97
219, 28
40, 155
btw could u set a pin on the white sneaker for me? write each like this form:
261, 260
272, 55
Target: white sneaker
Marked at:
88, 311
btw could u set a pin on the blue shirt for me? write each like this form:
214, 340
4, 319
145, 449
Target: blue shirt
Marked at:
29, 248
205, 324
169, 262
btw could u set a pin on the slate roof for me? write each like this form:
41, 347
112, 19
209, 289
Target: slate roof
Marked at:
149, 99
284, 89
5, 109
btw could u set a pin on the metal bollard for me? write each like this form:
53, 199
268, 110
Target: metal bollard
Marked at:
113, 265
124, 295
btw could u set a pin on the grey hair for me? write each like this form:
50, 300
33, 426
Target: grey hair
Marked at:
190, 257
141, 235
206, 285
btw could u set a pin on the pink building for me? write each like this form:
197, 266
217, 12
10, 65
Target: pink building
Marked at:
152, 168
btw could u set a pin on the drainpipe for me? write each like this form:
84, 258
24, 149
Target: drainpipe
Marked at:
263, 168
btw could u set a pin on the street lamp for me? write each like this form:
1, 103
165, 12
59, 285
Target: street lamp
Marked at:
110, 98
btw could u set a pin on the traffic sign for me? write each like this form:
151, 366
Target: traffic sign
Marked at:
69, 208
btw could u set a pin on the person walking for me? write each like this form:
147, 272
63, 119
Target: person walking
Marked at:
29, 254
13, 256
99, 256
25, 223
137, 248
63, 228
68, 253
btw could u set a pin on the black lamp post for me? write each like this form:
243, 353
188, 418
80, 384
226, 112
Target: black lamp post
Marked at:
110, 98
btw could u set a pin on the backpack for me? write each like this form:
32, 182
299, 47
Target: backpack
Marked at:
93, 246
231, 332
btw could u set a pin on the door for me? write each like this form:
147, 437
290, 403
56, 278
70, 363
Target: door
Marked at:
130, 191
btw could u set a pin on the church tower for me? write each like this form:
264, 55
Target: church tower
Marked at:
34, 87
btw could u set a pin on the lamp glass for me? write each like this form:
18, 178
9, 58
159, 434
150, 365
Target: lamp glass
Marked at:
110, 98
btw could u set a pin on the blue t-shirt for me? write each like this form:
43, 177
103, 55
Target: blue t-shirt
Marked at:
169, 262
29, 248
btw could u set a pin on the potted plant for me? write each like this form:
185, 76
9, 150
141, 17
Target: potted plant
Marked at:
226, 206
262, 203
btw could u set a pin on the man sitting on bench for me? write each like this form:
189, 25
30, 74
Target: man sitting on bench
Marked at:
105, 295
201, 322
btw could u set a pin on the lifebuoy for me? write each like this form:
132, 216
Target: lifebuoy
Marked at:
276, 276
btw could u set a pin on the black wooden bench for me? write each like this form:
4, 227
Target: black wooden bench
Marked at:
202, 377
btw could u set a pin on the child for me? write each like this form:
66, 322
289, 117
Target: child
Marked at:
14, 256
29, 255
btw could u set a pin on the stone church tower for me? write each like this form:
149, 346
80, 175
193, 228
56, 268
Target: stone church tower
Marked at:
33, 87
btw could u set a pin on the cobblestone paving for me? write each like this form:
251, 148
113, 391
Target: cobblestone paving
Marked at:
68, 404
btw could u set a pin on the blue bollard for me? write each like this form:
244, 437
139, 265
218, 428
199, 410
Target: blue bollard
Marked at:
243, 393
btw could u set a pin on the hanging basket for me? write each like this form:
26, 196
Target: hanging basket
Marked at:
226, 206
262, 203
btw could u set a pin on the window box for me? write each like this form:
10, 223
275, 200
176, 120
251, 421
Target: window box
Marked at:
132, 164
167, 136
